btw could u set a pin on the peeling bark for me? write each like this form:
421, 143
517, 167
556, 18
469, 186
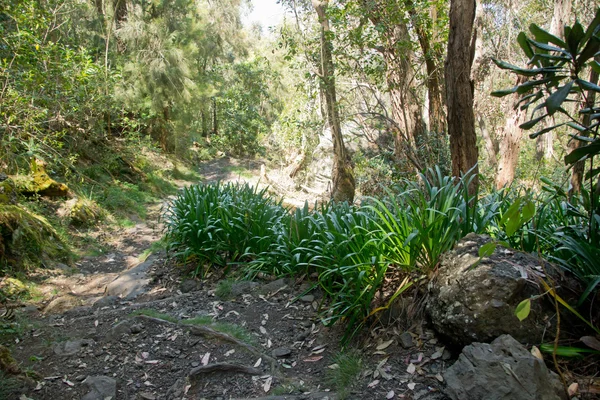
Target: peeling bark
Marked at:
342, 177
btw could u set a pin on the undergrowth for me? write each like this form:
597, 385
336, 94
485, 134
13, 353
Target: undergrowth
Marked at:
353, 249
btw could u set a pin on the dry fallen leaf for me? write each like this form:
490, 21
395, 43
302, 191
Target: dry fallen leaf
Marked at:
390, 395
439, 377
262, 330
537, 353
384, 345
334, 366
411, 385
313, 359
230, 352
373, 384
96, 323
591, 341
145, 354
411, 368
257, 363
205, 359
152, 362
573, 389
267, 384
69, 383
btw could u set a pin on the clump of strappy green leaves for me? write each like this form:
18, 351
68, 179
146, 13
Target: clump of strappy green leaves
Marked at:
353, 248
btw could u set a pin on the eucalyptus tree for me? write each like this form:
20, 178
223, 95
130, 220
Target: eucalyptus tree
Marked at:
459, 91
343, 184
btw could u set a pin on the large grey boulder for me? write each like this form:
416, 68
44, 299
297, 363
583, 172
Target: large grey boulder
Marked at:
132, 282
472, 301
502, 370
101, 388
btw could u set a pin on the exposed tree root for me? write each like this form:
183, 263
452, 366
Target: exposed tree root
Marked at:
224, 367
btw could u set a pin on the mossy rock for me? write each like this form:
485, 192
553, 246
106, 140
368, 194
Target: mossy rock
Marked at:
39, 182
8, 364
8, 194
83, 212
28, 240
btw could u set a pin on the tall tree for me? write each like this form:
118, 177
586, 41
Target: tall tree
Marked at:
396, 49
459, 90
342, 177
560, 16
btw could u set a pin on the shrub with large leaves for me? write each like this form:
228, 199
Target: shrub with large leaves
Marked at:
556, 78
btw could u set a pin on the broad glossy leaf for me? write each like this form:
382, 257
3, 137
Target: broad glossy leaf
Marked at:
530, 124
590, 49
574, 38
556, 99
528, 211
523, 71
546, 47
592, 27
522, 40
584, 151
487, 249
523, 309
595, 66
505, 92
551, 57
527, 86
544, 36
545, 130
588, 85
576, 126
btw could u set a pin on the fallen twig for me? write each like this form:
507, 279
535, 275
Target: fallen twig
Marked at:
224, 367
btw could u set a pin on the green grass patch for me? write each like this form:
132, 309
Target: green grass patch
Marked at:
223, 290
345, 373
155, 314
185, 174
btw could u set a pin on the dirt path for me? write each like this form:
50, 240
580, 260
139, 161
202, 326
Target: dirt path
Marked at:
126, 327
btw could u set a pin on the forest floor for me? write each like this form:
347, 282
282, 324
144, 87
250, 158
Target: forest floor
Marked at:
211, 339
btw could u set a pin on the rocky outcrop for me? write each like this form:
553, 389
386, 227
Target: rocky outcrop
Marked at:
502, 370
39, 182
474, 300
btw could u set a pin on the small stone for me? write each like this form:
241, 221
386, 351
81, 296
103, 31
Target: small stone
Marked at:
105, 301
70, 347
136, 328
102, 387
302, 336
282, 352
406, 340
195, 364
446, 355
120, 329
188, 285
309, 298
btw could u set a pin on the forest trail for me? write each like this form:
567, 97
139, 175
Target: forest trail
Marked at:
124, 326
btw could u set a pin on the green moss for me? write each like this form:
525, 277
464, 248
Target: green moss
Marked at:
38, 182
8, 195
28, 240
85, 212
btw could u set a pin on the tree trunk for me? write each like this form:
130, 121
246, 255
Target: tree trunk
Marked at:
215, 121
510, 145
562, 12
204, 122
578, 168
410, 128
459, 91
343, 184
437, 118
